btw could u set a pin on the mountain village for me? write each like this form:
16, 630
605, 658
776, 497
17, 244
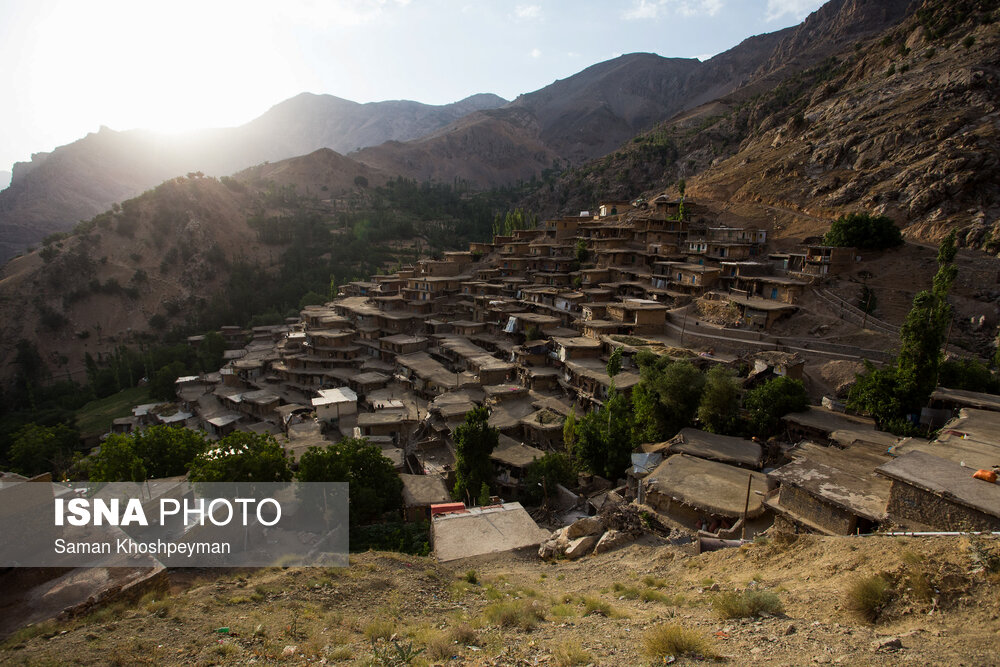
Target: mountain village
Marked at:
525, 325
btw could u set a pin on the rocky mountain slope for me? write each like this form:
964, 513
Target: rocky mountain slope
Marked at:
55, 190
514, 609
903, 123
572, 120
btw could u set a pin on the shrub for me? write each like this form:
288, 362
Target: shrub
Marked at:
569, 654
470, 576
673, 640
746, 604
869, 596
379, 628
596, 606
865, 231
521, 614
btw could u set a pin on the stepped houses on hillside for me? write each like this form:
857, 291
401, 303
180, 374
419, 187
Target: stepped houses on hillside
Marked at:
525, 325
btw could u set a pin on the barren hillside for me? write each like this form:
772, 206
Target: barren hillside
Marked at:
518, 610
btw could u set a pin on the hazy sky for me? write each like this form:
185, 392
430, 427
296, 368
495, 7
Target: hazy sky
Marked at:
70, 66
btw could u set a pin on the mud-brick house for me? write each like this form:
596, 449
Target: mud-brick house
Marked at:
544, 428
757, 313
510, 463
639, 316
577, 347
687, 277
397, 344
707, 495
931, 492
830, 491
727, 449
824, 260
419, 493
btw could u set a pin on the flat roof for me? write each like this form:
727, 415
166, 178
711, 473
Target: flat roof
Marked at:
945, 478
338, 395
519, 455
843, 477
715, 447
828, 421
971, 399
485, 530
708, 486
421, 490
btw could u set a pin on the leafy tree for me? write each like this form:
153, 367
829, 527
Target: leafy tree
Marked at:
167, 451
666, 398
890, 394
771, 401
475, 441
375, 488
569, 430
614, 366
968, 374
865, 231
582, 254
117, 461
484, 495
876, 393
603, 440
720, 401
243, 457
37, 449
311, 299
162, 384
545, 473
158, 451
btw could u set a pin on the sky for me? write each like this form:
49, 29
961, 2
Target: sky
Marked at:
68, 67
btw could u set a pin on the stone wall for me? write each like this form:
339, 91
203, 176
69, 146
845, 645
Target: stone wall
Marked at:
814, 510
910, 503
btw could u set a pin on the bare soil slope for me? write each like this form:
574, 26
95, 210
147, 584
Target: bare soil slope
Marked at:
943, 609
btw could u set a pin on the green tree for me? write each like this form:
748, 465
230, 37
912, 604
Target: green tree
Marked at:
569, 429
544, 474
603, 441
162, 384
374, 489
614, 366
484, 495
475, 441
720, 401
666, 398
167, 451
865, 231
771, 401
582, 254
38, 449
891, 394
117, 461
243, 457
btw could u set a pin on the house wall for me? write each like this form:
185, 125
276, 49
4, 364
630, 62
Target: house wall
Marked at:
813, 509
910, 503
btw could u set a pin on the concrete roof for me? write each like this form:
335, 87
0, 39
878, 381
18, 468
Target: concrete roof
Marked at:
973, 437
971, 399
944, 478
332, 396
724, 448
420, 490
708, 486
843, 477
828, 420
483, 531
518, 455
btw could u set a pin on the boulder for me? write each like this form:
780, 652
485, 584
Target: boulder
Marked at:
612, 540
588, 525
581, 546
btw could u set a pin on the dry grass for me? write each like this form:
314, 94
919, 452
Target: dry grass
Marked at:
663, 641
747, 604
379, 628
523, 614
569, 654
868, 597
